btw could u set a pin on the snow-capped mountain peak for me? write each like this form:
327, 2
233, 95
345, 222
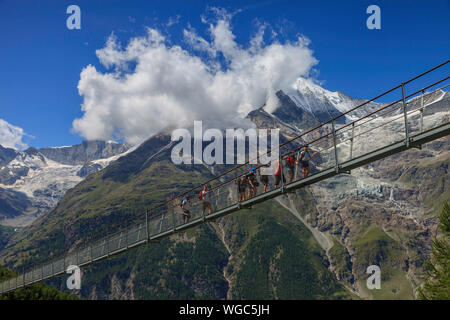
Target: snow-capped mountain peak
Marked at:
322, 103
32, 181
30, 158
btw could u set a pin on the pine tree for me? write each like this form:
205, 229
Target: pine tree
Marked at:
437, 283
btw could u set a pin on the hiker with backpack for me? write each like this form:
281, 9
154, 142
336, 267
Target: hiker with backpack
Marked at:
290, 165
264, 178
204, 196
279, 175
242, 185
251, 183
303, 159
185, 204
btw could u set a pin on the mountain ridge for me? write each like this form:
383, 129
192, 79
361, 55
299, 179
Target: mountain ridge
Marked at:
356, 213
40, 177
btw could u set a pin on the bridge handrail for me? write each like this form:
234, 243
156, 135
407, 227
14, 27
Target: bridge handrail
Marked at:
107, 234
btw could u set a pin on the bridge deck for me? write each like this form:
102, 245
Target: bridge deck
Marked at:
342, 147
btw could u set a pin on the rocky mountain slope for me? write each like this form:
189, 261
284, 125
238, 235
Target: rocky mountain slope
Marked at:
216, 261
33, 181
313, 244
324, 104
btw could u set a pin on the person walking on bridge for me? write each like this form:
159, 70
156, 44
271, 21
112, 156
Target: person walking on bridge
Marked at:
185, 204
279, 175
264, 177
205, 201
242, 185
252, 183
290, 162
304, 157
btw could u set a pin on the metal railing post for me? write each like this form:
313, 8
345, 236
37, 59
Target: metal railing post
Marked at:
173, 217
405, 116
335, 147
146, 225
351, 141
281, 172
421, 112
64, 263
238, 203
161, 222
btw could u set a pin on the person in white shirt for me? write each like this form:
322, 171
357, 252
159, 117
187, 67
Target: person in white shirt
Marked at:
204, 199
304, 158
185, 204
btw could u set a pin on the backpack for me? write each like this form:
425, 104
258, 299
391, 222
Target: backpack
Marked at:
200, 195
290, 161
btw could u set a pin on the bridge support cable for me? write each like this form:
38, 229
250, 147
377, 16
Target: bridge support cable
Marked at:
346, 147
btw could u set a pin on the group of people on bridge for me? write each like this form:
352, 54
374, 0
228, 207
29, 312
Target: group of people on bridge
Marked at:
249, 182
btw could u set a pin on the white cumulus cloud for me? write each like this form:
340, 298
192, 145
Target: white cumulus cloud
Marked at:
151, 84
11, 136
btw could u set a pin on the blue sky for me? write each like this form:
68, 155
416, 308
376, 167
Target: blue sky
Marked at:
41, 60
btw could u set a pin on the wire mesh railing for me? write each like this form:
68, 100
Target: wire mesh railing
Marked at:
332, 144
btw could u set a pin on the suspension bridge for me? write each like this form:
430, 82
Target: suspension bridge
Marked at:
355, 138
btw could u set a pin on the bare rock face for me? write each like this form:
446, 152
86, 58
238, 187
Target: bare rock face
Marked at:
13, 203
33, 181
9, 176
88, 168
6, 155
382, 213
86, 151
291, 114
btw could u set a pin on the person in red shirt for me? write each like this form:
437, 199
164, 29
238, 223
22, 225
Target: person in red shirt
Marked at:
278, 173
290, 165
